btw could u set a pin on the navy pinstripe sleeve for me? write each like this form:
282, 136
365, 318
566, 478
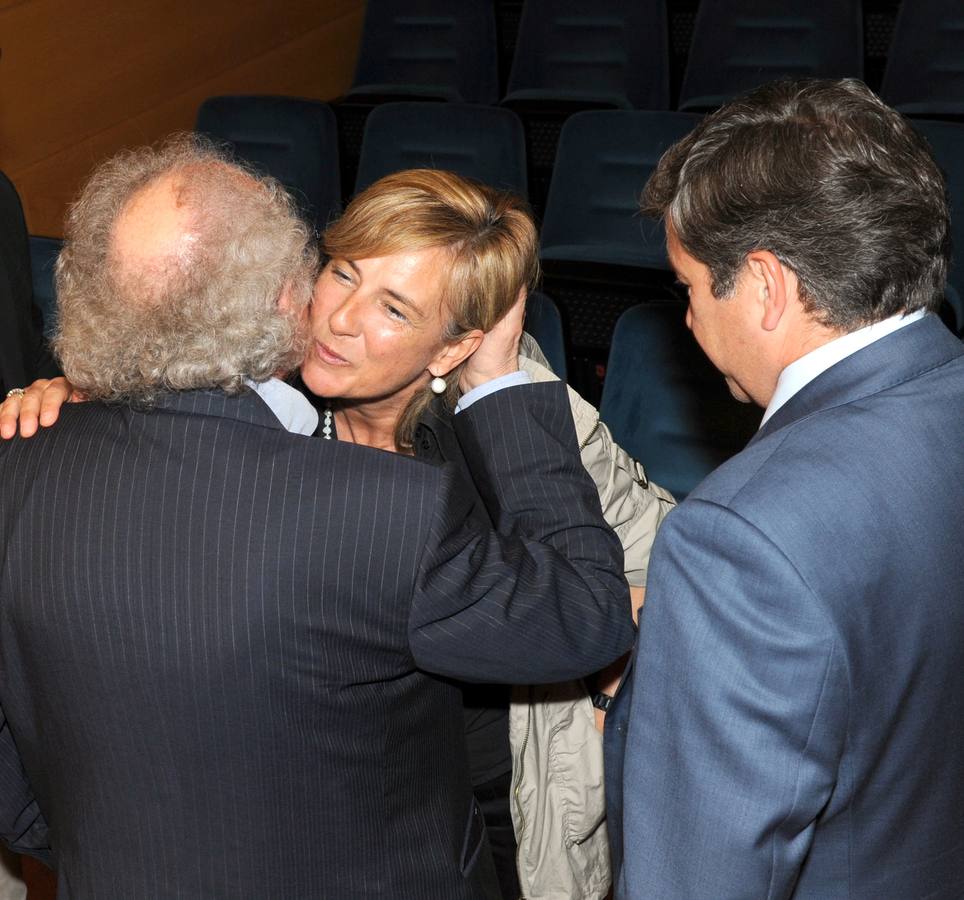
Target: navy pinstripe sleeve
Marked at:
545, 598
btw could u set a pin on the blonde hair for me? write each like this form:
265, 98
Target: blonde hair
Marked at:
207, 319
489, 235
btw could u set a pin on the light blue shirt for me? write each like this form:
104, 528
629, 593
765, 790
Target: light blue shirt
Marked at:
802, 371
298, 416
490, 387
289, 405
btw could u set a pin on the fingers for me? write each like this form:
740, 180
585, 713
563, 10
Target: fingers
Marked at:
30, 408
38, 406
9, 413
498, 354
57, 392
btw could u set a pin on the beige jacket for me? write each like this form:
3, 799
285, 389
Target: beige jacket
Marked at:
558, 799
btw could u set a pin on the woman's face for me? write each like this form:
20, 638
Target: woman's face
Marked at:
377, 325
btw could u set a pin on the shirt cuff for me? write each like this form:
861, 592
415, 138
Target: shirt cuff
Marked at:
490, 387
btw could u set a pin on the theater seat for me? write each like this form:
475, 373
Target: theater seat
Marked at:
740, 44
665, 402
43, 258
544, 323
946, 140
481, 142
925, 66
608, 52
293, 140
599, 254
432, 49
23, 351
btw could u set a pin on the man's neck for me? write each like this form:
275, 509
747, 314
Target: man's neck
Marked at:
824, 354
289, 406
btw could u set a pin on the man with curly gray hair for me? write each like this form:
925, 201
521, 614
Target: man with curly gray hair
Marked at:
220, 641
180, 271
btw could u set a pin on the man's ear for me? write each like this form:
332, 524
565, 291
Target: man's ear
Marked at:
452, 355
284, 298
772, 281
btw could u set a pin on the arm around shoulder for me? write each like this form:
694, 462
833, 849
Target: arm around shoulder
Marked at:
542, 598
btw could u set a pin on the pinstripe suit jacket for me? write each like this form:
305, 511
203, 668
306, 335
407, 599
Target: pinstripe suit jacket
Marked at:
215, 639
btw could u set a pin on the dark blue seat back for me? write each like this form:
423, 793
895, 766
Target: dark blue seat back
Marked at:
23, 352
43, 258
295, 141
925, 66
607, 51
947, 143
544, 323
603, 162
486, 143
429, 48
665, 402
955, 304
740, 44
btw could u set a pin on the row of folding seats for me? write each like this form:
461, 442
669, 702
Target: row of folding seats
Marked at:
614, 53
662, 398
598, 253
571, 56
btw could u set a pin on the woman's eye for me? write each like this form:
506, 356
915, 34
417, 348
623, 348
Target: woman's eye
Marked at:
341, 275
395, 312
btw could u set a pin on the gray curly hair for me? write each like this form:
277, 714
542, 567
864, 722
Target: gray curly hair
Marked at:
205, 319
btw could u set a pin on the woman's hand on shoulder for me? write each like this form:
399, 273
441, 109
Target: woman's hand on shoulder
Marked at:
39, 405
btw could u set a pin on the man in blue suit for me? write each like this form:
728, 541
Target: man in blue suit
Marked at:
794, 722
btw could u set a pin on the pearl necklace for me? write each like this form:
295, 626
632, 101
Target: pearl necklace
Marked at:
326, 424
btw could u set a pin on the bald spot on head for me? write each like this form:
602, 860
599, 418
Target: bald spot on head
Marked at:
159, 232
154, 231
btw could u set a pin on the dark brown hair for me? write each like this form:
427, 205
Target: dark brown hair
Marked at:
828, 178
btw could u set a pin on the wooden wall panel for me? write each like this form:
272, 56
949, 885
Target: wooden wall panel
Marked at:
80, 81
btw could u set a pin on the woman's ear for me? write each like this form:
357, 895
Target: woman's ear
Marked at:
454, 354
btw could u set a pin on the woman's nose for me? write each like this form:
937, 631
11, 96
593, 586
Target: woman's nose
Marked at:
344, 317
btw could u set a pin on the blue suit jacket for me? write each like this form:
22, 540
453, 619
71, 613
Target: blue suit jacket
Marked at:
794, 725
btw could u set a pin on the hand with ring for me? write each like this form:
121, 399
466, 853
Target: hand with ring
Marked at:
35, 406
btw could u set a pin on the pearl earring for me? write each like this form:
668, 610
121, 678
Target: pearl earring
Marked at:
438, 385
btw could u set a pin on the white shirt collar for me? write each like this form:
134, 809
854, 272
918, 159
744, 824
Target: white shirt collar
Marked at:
802, 371
289, 405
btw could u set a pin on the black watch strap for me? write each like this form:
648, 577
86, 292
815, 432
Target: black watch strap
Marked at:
601, 700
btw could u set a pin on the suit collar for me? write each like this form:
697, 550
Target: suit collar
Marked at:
244, 407
911, 351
